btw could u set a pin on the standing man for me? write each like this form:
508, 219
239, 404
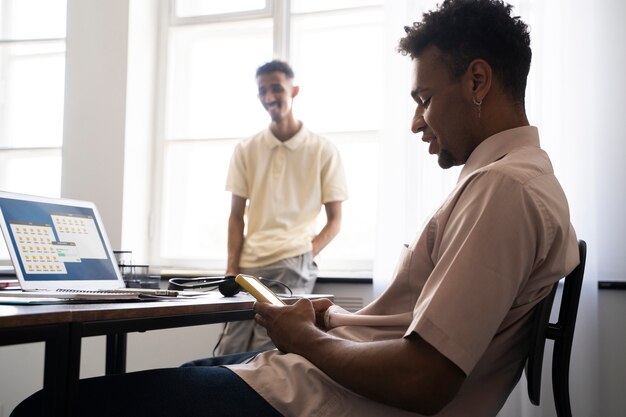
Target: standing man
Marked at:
286, 173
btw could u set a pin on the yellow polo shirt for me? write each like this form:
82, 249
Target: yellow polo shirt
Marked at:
286, 184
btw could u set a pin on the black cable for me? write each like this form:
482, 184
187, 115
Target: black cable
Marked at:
220, 339
274, 282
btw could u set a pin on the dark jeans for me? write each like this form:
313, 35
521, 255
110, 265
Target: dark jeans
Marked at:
192, 390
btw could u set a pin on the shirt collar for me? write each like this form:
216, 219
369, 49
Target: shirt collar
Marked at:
498, 145
293, 143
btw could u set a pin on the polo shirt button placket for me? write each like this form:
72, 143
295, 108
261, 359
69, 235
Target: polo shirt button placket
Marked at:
278, 164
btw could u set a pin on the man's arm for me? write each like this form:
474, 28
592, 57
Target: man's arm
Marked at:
407, 373
330, 229
235, 233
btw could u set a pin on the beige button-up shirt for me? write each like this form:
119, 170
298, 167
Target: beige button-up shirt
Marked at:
488, 255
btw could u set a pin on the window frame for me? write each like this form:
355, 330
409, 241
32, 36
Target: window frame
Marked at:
279, 11
39, 150
175, 20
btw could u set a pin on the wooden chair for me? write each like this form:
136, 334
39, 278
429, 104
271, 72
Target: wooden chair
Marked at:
562, 332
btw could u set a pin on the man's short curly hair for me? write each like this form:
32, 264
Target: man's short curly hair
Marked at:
275, 66
465, 30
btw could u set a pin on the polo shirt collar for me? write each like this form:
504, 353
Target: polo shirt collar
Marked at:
296, 140
498, 145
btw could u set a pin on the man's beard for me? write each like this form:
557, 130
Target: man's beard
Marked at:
446, 160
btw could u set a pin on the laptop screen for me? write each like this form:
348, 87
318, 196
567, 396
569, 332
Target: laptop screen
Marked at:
57, 243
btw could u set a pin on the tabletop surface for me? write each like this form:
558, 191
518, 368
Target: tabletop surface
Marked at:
12, 316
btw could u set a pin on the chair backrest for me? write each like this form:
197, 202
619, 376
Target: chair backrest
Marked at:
562, 332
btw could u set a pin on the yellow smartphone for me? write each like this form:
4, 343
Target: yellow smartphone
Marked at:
258, 290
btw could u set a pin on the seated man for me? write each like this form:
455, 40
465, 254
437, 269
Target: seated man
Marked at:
458, 310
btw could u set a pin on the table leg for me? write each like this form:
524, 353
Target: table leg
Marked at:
73, 368
116, 353
57, 357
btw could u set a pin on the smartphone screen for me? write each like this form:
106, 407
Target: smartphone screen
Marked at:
258, 290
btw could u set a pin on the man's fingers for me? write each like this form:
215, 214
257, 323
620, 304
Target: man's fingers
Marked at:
259, 319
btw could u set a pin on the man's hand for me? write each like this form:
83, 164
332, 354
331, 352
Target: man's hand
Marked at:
330, 229
293, 327
320, 306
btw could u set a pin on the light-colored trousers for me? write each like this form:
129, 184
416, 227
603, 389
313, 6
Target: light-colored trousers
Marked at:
298, 273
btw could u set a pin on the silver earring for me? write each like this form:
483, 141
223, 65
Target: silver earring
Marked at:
478, 102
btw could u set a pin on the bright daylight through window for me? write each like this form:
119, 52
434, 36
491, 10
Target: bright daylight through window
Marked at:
210, 103
32, 79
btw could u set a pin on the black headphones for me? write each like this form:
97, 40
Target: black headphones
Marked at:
226, 284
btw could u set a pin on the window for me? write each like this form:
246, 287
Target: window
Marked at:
32, 74
190, 8
209, 103
32, 79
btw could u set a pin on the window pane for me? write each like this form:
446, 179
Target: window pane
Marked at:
211, 94
338, 64
32, 19
211, 88
195, 207
31, 172
356, 241
32, 90
187, 8
303, 6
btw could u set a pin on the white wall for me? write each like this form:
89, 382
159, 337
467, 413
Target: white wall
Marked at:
95, 107
608, 102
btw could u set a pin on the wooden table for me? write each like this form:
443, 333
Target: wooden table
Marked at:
62, 327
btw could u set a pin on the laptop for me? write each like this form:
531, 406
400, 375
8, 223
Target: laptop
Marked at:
59, 249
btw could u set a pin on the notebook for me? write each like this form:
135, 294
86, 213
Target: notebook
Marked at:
59, 249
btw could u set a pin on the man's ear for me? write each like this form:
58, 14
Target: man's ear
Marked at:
480, 77
295, 90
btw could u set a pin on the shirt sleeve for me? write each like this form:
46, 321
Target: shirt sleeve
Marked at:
484, 250
236, 180
333, 177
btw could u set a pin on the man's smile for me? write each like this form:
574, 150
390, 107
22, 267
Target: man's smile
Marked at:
431, 139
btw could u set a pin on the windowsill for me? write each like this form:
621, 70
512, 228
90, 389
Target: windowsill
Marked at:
343, 280
326, 277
